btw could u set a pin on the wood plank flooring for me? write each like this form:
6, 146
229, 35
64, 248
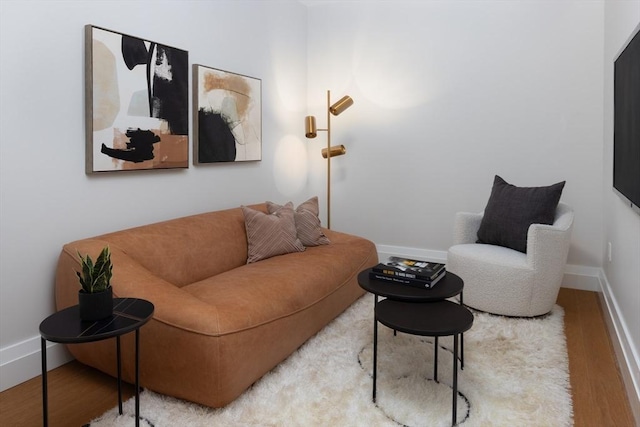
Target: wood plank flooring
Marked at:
597, 388
77, 393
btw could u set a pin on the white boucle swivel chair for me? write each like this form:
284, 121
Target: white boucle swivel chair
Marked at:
504, 281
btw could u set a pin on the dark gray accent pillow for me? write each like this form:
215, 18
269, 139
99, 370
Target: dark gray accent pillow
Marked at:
511, 210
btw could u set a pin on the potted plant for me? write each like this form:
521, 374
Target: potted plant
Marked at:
96, 296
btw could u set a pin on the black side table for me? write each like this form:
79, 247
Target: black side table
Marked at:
65, 326
435, 319
449, 286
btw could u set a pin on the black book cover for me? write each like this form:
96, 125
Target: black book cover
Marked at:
410, 268
404, 281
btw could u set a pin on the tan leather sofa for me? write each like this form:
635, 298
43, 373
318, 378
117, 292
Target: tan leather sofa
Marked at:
219, 324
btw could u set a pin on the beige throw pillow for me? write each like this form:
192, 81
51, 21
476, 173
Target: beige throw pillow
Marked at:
270, 235
307, 222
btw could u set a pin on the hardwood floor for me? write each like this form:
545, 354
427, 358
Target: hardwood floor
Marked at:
597, 388
77, 393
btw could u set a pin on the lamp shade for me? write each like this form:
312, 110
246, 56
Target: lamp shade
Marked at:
310, 129
336, 150
344, 103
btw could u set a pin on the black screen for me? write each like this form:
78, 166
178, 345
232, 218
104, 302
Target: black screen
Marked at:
626, 137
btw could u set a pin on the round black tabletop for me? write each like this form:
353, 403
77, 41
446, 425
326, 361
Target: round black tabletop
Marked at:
450, 285
436, 319
65, 326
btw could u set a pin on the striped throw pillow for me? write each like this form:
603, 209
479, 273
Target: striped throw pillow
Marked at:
272, 234
308, 226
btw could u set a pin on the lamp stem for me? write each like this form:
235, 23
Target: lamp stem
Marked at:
328, 160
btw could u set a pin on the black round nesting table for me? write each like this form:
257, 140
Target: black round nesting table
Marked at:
421, 311
436, 319
449, 286
65, 326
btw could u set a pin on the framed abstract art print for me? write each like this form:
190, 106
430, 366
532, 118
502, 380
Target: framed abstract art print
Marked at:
136, 103
227, 116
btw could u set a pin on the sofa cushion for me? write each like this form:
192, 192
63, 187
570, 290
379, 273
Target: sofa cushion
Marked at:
262, 292
170, 256
269, 235
511, 210
307, 222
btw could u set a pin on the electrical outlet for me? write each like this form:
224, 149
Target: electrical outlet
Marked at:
609, 251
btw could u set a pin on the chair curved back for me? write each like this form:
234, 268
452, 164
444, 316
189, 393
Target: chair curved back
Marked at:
504, 281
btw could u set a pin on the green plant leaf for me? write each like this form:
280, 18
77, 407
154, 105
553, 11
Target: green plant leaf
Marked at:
96, 277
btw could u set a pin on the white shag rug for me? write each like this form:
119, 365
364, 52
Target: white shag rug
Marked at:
515, 374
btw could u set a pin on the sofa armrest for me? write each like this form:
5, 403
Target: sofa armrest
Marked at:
465, 228
132, 280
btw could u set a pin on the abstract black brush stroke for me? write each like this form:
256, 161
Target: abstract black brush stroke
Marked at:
216, 142
134, 52
170, 98
139, 148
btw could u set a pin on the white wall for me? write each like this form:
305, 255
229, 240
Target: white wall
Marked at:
621, 224
46, 198
449, 93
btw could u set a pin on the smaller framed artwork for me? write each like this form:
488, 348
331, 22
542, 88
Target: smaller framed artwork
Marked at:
136, 103
227, 116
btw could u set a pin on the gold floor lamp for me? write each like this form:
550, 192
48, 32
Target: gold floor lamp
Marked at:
331, 151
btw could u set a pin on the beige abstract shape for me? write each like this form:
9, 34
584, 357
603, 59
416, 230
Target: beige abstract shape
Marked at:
236, 85
106, 97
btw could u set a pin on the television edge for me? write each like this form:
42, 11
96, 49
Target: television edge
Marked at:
626, 122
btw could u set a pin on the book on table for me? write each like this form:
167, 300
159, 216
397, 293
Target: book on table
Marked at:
407, 271
425, 284
410, 268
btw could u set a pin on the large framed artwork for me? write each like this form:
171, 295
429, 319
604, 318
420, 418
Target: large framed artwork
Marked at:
227, 116
136, 103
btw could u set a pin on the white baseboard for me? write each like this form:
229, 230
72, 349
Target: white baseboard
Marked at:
575, 276
21, 362
626, 353
582, 278
385, 251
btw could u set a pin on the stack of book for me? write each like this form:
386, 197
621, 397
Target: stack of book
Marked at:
421, 274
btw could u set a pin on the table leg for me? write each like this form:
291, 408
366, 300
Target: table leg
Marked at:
45, 408
375, 354
462, 351
137, 378
119, 375
435, 359
455, 380
461, 339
